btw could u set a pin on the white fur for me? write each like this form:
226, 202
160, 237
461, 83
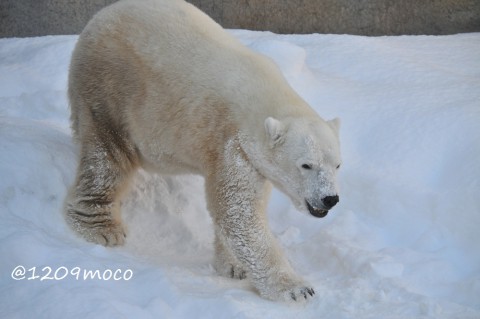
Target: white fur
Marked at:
158, 84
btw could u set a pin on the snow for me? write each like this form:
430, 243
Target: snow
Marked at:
402, 242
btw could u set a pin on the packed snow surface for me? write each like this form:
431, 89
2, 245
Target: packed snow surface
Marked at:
402, 243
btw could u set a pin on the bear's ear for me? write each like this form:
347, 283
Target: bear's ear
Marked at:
275, 130
335, 125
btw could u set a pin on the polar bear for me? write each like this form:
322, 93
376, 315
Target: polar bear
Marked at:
157, 84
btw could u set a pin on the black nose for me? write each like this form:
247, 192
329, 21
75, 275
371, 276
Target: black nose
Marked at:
330, 201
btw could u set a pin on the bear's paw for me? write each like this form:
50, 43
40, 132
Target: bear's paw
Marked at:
112, 235
286, 288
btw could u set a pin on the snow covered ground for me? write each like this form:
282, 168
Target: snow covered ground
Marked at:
402, 243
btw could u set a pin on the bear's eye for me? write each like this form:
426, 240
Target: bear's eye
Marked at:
338, 166
307, 166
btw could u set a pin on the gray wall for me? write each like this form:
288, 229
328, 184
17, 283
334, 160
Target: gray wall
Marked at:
27, 18
23, 18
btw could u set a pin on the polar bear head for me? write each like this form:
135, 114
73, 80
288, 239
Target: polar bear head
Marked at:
303, 158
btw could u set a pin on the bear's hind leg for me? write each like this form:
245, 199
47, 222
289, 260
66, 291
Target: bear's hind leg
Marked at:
93, 205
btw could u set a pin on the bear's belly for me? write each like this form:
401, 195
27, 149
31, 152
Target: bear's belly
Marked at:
156, 159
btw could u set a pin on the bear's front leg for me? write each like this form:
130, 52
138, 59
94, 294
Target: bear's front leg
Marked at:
237, 198
226, 264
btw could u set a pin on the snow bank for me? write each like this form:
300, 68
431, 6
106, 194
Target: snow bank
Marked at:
402, 243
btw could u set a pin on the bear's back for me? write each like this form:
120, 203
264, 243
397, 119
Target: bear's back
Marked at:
156, 23
149, 59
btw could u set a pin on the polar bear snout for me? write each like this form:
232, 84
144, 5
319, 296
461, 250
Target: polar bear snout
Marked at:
327, 203
330, 201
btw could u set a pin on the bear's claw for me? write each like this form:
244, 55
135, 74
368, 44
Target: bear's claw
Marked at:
238, 273
303, 292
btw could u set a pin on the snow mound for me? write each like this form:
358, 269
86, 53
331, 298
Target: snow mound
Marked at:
402, 242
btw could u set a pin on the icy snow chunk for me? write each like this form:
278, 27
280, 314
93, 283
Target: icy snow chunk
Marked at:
387, 268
